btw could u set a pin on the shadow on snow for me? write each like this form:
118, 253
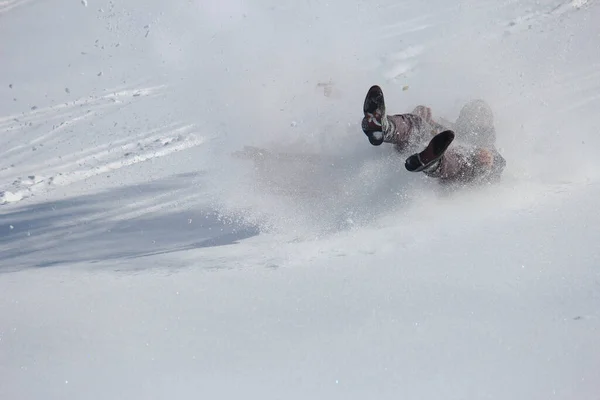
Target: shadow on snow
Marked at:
90, 228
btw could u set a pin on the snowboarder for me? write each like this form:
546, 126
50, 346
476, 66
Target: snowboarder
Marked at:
475, 159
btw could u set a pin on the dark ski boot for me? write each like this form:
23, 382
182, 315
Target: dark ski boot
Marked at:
375, 123
429, 158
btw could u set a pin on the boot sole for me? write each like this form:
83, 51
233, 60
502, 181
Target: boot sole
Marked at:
437, 146
374, 101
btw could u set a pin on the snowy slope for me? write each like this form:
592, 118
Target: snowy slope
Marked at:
140, 259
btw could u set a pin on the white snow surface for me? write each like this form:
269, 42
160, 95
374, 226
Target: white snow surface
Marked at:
141, 259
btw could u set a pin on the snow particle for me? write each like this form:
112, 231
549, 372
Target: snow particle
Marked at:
67, 90
10, 197
84, 3
10, 86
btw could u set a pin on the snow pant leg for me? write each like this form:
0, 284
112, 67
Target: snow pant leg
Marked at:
406, 130
455, 165
464, 164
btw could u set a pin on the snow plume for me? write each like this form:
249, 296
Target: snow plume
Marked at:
541, 85
291, 78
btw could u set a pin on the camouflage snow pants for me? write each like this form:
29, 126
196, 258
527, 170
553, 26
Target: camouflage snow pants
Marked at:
460, 163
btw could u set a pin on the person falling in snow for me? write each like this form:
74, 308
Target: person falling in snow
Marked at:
476, 160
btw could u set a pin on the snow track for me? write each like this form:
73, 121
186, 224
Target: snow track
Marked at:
8, 5
48, 127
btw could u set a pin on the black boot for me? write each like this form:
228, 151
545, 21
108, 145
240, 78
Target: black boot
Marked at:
375, 123
429, 158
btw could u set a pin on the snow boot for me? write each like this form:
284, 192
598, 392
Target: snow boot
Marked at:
429, 159
375, 123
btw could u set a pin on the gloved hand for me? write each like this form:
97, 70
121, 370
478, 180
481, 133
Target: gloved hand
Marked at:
484, 158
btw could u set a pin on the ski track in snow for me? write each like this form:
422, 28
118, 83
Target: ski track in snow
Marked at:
161, 145
399, 29
112, 96
538, 17
89, 161
401, 65
8, 5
